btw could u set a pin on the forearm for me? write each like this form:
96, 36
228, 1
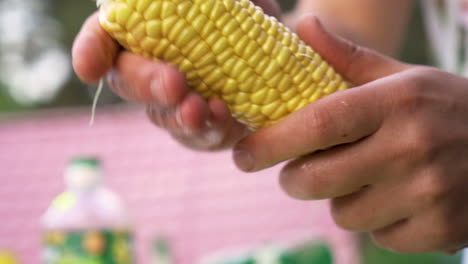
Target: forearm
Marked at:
378, 24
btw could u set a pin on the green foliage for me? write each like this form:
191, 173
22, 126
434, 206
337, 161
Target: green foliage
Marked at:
7, 103
375, 255
317, 253
287, 4
415, 48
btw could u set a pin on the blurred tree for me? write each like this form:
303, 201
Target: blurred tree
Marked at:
287, 4
33, 61
6, 102
72, 14
37, 37
416, 48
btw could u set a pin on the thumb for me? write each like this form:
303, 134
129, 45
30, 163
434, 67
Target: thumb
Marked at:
358, 65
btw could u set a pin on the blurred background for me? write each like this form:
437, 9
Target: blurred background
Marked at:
44, 110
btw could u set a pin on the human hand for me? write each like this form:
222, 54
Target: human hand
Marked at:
193, 121
391, 153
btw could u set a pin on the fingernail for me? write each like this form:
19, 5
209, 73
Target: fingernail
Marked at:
153, 111
213, 137
114, 81
186, 130
243, 159
157, 88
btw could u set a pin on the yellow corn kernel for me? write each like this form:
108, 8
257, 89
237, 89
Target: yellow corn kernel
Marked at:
228, 49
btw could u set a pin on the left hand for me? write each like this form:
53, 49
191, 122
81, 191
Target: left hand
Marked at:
194, 122
391, 153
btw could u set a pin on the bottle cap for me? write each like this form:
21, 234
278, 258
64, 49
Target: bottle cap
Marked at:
83, 173
86, 161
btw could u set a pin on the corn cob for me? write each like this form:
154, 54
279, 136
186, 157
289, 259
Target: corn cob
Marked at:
228, 49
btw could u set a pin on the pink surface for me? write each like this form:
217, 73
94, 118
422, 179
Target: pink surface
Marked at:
199, 200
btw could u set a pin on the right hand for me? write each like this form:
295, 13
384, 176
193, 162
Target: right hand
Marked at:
195, 122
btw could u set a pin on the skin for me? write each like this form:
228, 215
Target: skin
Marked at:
391, 154
400, 133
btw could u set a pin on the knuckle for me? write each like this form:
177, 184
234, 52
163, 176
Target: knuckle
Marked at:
423, 139
411, 96
318, 124
355, 54
415, 92
420, 144
432, 188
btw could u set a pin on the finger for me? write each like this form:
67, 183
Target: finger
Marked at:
220, 112
357, 64
199, 124
137, 78
336, 172
186, 119
222, 121
163, 117
344, 117
219, 130
438, 225
201, 131
93, 51
193, 113
221, 118
424, 233
373, 207
439, 216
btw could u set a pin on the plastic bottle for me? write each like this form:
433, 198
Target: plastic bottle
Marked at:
86, 224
